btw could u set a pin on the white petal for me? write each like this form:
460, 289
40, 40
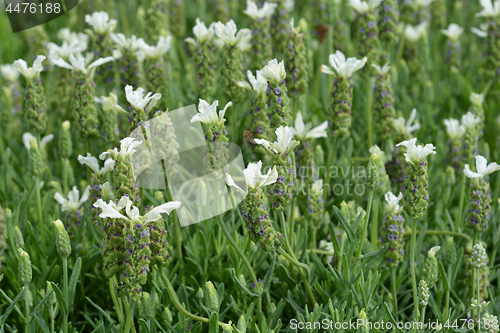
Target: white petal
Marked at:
90, 161
166, 208
27, 137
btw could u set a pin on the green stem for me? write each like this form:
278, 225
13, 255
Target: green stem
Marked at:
412, 267
236, 248
65, 162
27, 307
331, 160
374, 226
423, 318
177, 304
369, 108
292, 219
89, 148
474, 277
39, 211
177, 227
478, 302
360, 247
65, 291
118, 307
441, 232
461, 204
447, 296
394, 290
130, 316
293, 259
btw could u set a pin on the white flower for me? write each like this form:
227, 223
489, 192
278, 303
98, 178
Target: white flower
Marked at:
382, 70
74, 202
416, 154
364, 6
258, 82
92, 163
327, 246
482, 31
414, 33
274, 71
303, 131
454, 129
110, 101
469, 120
255, 12
27, 137
64, 51
377, 154
30, 72
106, 191
66, 35
289, 5
393, 201
317, 186
254, 178
478, 257
432, 251
477, 98
112, 210
489, 8
207, 114
230, 35
81, 64
101, 23
139, 101
284, 142
482, 167
341, 66
127, 148
132, 44
9, 72
407, 128
159, 50
453, 32
201, 32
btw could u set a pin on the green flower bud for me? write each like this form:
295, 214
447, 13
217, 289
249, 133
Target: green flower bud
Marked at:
211, 298
339, 114
372, 179
227, 328
388, 20
85, 112
35, 160
146, 307
280, 27
450, 177
478, 257
277, 95
423, 293
393, 229
231, 73
296, 62
383, 96
450, 254
65, 143
52, 299
177, 17
478, 212
168, 315
362, 316
25, 272
477, 110
484, 272
156, 18
200, 294
242, 324
260, 25
319, 156
18, 237
430, 273
438, 13
63, 244
109, 120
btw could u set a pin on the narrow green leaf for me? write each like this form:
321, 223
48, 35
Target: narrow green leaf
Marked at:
60, 299
144, 326
40, 304
371, 257
345, 225
73, 281
232, 272
214, 323
104, 313
42, 324
269, 275
444, 276
11, 306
